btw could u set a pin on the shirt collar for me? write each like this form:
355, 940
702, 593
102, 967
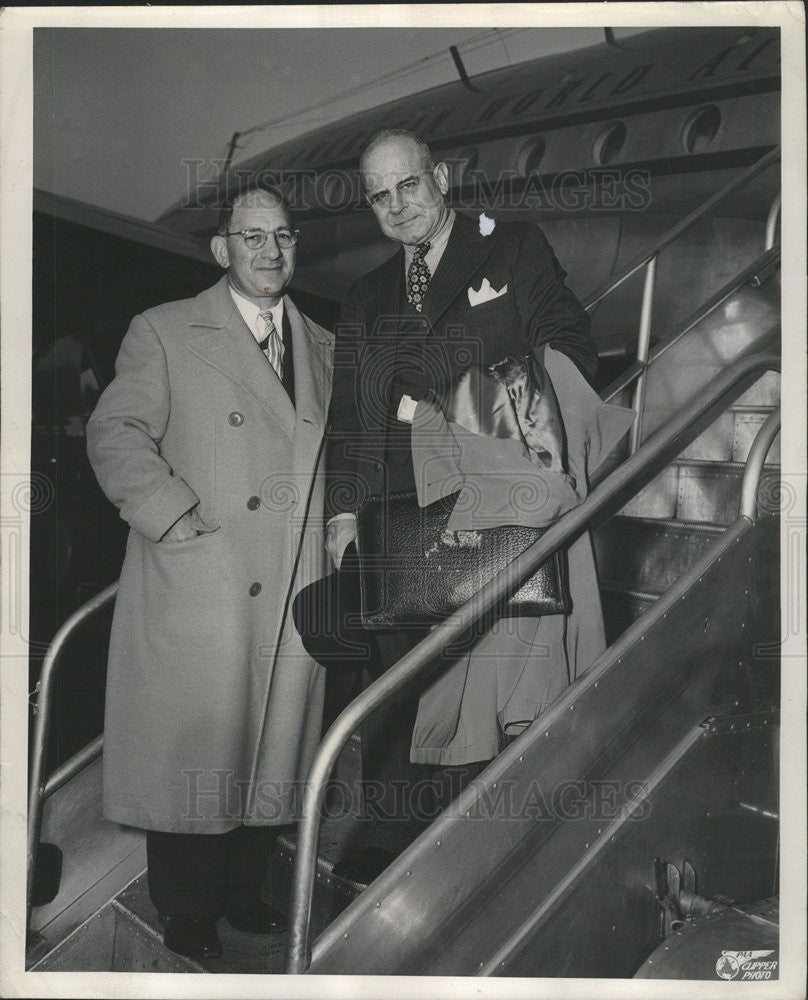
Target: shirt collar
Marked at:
250, 312
436, 245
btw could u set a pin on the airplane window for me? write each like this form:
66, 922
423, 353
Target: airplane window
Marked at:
701, 128
530, 156
609, 143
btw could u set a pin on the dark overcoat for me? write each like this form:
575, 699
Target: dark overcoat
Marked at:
213, 708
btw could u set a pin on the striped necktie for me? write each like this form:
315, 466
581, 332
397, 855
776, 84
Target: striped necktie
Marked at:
418, 277
272, 344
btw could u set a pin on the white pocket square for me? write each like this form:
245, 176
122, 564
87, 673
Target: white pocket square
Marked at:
486, 293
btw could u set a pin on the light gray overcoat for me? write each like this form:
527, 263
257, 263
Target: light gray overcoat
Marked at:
521, 665
213, 708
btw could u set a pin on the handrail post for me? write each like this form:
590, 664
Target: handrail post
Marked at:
44, 711
643, 348
754, 464
771, 220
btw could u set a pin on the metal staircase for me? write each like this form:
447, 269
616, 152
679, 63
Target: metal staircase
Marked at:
648, 540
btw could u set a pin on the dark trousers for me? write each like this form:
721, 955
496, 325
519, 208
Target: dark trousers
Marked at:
208, 875
402, 798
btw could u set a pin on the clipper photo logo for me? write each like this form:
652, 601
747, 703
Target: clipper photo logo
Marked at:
750, 966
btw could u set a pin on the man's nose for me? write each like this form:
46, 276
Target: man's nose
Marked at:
270, 248
396, 201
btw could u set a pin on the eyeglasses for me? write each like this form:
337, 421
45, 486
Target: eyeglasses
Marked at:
381, 199
256, 238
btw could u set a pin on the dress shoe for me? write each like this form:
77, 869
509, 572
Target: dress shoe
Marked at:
261, 919
364, 864
194, 937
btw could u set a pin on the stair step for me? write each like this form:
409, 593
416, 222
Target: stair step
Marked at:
697, 490
748, 421
139, 946
711, 491
647, 554
243, 953
115, 939
715, 443
658, 498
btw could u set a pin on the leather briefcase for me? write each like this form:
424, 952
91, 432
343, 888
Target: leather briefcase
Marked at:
414, 571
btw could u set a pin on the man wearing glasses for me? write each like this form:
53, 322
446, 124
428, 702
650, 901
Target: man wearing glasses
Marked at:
460, 292
209, 440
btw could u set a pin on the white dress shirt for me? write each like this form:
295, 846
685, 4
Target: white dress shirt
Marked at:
436, 247
251, 314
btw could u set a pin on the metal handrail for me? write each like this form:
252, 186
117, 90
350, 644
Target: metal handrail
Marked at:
755, 275
672, 234
609, 493
38, 789
648, 259
754, 463
771, 220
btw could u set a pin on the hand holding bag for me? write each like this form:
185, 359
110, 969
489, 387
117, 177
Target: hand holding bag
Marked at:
416, 566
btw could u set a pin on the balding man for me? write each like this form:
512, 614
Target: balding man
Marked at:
459, 292
209, 441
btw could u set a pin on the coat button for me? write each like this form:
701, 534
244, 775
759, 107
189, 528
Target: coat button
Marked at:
253, 503
255, 589
236, 419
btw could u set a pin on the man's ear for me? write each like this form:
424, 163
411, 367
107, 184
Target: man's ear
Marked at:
441, 175
218, 247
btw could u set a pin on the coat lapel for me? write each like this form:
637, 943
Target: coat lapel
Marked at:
313, 349
464, 254
224, 342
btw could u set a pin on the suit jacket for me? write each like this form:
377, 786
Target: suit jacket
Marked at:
383, 349
514, 669
213, 708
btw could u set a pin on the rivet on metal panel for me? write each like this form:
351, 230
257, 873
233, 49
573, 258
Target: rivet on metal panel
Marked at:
378, 905
743, 624
494, 785
572, 708
345, 935
410, 873
522, 759
437, 843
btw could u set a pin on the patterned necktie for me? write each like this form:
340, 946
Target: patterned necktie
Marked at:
418, 277
272, 344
